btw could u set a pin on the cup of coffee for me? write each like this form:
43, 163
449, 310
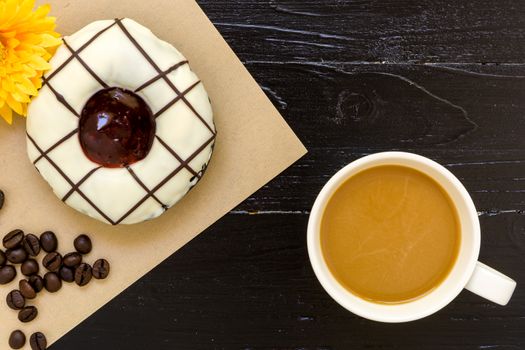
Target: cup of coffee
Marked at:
395, 237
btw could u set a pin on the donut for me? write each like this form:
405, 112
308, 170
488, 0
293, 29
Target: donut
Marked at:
122, 128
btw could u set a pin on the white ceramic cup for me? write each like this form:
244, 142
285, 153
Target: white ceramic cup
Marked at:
467, 272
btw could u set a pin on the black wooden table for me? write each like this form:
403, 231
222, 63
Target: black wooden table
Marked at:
445, 79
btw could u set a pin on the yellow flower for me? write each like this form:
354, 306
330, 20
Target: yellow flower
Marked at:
27, 42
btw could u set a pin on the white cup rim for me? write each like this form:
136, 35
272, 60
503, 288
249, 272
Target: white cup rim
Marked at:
434, 300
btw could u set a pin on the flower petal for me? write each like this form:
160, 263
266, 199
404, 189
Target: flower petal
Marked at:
15, 105
39, 63
29, 41
6, 113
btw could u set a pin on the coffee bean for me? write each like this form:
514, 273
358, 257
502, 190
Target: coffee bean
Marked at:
27, 314
3, 258
52, 261
72, 259
67, 274
52, 282
26, 289
17, 340
48, 241
7, 274
2, 199
13, 239
38, 341
16, 255
101, 269
31, 244
36, 282
15, 300
83, 244
30, 267
83, 274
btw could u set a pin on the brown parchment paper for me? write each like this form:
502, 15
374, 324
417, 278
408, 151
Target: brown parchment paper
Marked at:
254, 145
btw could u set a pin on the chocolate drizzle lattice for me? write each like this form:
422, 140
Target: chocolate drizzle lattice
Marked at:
179, 96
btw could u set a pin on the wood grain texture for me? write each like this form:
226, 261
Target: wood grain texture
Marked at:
445, 79
394, 31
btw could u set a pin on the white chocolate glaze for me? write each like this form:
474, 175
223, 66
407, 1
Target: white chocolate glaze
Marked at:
113, 54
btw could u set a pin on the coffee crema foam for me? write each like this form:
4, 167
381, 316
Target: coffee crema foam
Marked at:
390, 234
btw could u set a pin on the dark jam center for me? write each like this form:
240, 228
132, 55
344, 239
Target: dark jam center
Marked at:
117, 128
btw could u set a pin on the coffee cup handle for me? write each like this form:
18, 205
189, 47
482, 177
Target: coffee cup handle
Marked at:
491, 284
